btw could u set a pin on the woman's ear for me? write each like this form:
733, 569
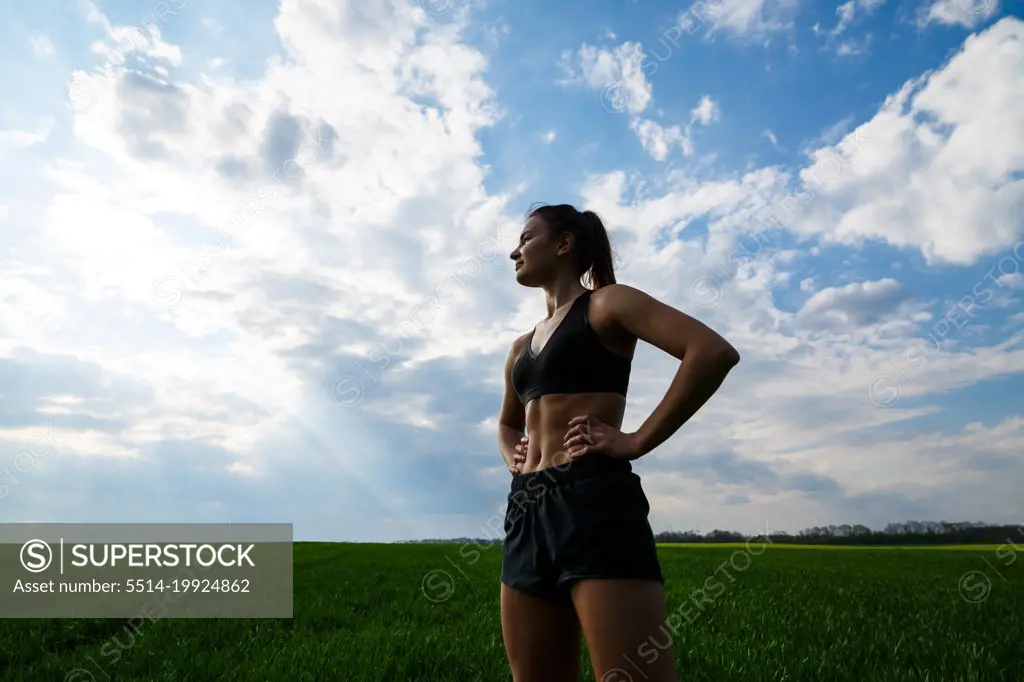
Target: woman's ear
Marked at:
565, 243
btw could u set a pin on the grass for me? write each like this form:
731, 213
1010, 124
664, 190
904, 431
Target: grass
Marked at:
362, 612
754, 545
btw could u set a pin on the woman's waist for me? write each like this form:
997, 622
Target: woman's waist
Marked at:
547, 422
568, 472
547, 417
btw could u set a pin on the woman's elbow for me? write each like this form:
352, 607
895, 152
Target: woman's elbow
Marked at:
730, 356
724, 356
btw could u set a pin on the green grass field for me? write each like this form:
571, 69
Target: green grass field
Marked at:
430, 612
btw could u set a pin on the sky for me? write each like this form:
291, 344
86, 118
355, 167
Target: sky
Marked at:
255, 254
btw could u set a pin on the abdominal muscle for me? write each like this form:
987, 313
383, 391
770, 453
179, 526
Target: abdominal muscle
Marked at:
547, 420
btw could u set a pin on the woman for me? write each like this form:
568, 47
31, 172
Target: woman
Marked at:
579, 552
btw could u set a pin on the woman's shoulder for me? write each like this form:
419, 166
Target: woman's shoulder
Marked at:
519, 342
613, 295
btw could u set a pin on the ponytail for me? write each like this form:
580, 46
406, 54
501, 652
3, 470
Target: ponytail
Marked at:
593, 248
602, 270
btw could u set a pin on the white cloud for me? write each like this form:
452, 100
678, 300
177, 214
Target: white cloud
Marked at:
549, 136
853, 48
40, 44
167, 148
368, 250
706, 111
855, 305
835, 132
807, 398
1012, 280
925, 172
845, 12
746, 18
966, 13
17, 139
658, 140
849, 10
617, 72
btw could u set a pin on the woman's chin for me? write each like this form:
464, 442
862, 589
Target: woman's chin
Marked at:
524, 279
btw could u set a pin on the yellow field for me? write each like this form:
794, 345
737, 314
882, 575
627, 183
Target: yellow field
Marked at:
779, 545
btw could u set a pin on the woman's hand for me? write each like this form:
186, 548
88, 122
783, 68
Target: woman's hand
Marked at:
520, 456
589, 434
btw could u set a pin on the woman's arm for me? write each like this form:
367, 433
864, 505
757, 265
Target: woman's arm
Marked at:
512, 418
705, 359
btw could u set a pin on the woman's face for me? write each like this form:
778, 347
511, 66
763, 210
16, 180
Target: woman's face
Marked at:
536, 257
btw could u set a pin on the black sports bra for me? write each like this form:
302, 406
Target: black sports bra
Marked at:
574, 360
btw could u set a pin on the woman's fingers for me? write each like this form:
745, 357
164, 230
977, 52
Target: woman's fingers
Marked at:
577, 440
524, 444
579, 431
582, 428
582, 449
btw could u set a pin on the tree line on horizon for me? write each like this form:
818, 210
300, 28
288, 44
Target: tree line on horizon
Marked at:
901, 533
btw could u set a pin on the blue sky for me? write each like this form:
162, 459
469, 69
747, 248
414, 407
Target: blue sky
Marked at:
255, 254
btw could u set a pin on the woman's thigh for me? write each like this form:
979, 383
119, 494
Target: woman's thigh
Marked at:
624, 623
542, 637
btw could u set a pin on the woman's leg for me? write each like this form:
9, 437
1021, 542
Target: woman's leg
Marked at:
624, 622
542, 637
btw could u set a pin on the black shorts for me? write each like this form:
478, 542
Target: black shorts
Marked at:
583, 519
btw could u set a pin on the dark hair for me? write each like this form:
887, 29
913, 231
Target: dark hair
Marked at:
593, 249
